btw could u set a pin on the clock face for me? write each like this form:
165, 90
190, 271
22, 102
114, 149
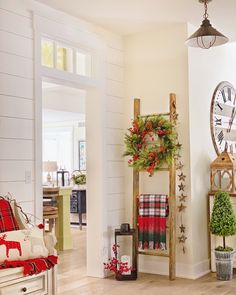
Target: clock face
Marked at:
223, 118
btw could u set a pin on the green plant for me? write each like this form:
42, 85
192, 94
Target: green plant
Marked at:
223, 220
79, 178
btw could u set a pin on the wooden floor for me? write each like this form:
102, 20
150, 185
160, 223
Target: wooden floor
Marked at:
72, 279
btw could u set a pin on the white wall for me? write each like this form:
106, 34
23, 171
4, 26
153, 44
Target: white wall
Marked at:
17, 116
207, 68
156, 65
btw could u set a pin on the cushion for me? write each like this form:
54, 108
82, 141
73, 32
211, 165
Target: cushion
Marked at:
22, 245
7, 219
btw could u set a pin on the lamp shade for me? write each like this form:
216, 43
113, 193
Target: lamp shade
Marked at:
50, 166
206, 36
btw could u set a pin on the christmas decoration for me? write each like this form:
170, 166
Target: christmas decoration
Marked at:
115, 265
151, 143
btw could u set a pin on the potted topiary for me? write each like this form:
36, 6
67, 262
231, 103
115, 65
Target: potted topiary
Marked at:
78, 178
223, 223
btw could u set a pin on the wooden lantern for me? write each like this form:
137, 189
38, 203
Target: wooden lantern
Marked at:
223, 172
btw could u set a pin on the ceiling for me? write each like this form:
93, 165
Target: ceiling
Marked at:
131, 16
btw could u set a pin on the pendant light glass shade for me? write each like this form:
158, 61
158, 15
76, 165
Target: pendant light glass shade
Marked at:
206, 36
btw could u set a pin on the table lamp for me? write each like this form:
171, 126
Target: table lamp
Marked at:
49, 167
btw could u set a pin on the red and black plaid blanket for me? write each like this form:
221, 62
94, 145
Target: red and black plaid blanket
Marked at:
7, 219
31, 266
153, 210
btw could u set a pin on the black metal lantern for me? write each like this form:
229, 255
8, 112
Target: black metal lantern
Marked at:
131, 258
63, 177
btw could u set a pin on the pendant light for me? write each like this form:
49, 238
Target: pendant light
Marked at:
206, 36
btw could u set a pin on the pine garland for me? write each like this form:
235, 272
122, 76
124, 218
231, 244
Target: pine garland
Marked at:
151, 143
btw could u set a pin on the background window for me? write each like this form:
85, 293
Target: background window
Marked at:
64, 58
47, 49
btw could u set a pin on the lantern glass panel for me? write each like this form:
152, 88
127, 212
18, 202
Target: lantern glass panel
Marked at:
226, 180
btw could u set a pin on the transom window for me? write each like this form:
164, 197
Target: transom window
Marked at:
65, 58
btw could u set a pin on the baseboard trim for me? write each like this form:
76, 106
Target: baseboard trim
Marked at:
160, 266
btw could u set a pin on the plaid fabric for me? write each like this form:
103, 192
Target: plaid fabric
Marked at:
153, 210
32, 266
7, 219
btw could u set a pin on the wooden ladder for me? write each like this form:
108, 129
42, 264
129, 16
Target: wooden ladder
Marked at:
171, 169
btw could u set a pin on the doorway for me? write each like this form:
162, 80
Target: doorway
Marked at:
64, 166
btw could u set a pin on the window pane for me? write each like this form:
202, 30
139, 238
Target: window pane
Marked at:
83, 64
47, 53
64, 58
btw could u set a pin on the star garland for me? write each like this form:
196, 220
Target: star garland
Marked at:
182, 198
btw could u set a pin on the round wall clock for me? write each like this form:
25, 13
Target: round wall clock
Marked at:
223, 121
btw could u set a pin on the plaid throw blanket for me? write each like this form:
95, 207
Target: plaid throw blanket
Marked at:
32, 266
7, 219
153, 210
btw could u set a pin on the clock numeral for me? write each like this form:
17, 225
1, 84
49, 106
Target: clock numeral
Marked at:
218, 122
220, 107
229, 93
220, 137
231, 149
223, 95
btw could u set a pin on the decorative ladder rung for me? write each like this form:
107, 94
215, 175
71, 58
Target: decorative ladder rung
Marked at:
153, 253
153, 115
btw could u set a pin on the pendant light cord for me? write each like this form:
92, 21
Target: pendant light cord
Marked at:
205, 15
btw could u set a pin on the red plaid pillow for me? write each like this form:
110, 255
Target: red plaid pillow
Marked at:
7, 219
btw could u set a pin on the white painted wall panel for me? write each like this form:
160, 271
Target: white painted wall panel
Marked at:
114, 136
115, 185
15, 44
115, 72
115, 217
115, 120
21, 7
13, 23
115, 57
15, 170
115, 104
16, 107
115, 202
19, 190
16, 86
16, 65
115, 152
16, 128
28, 208
13, 149
115, 89
115, 169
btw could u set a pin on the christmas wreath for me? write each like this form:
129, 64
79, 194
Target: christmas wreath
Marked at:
151, 142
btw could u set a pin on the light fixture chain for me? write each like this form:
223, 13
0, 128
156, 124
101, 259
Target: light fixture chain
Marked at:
206, 15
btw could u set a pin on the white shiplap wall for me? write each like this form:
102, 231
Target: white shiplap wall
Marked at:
17, 116
16, 104
115, 131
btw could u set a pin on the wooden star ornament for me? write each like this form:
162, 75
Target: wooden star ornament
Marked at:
181, 207
181, 177
182, 198
182, 238
181, 187
179, 166
182, 228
